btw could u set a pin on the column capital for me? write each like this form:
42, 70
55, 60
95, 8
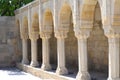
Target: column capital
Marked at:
34, 36
24, 36
45, 35
61, 34
82, 33
112, 34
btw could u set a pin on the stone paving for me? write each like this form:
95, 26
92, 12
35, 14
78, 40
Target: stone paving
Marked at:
15, 74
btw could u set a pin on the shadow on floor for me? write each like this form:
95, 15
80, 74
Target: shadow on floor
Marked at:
12, 71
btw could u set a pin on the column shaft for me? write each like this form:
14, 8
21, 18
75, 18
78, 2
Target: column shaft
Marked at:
34, 61
61, 69
114, 72
45, 54
25, 52
82, 57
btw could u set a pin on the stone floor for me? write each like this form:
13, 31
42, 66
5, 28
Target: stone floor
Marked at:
15, 74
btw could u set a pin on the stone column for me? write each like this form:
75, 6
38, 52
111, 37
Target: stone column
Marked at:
34, 61
114, 54
82, 55
25, 52
45, 54
61, 69
24, 36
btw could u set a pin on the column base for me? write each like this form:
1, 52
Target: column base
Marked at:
34, 64
83, 76
113, 79
25, 61
46, 67
61, 71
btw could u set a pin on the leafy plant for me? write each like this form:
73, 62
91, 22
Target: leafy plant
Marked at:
7, 7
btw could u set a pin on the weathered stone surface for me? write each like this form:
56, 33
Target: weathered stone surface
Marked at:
79, 17
8, 42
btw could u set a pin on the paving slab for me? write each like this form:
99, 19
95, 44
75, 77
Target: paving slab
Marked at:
15, 74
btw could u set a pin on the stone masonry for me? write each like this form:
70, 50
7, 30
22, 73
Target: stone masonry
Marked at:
10, 51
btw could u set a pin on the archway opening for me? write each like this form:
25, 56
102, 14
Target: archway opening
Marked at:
35, 30
25, 31
98, 48
71, 47
49, 28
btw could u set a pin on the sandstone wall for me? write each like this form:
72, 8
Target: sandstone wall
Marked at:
98, 50
98, 45
9, 41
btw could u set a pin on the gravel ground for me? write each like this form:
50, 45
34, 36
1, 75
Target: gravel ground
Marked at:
15, 74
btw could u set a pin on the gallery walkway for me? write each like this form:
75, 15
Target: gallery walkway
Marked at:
15, 74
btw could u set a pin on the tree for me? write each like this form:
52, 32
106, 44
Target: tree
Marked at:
7, 7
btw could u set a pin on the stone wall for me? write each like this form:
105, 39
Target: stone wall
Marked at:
98, 45
9, 41
98, 50
71, 50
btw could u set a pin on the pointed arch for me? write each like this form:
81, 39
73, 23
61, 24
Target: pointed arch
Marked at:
25, 24
35, 23
65, 16
116, 13
88, 9
48, 21
117, 7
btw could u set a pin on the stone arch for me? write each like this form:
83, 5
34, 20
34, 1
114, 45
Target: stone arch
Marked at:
35, 23
87, 10
117, 7
116, 13
48, 21
25, 25
98, 46
65, 16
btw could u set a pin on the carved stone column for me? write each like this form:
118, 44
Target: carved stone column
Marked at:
34, 60
114, 56
25, 52
82, 36
61, 69
45, 54
24, 37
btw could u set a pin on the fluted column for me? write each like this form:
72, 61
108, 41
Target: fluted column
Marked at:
61, 68
25, 52
114, 56
82, 55
45, 54
34, 60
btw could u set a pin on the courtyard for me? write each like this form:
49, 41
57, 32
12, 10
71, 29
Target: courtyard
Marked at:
12, 73
15, 74
60, 40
